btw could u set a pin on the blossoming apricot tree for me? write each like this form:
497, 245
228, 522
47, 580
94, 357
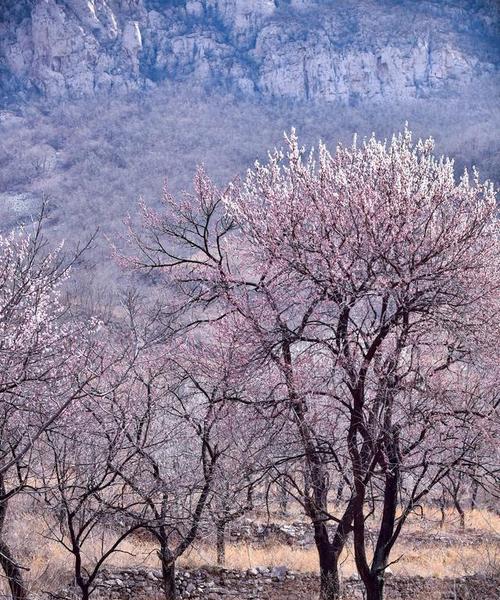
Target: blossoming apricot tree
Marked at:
365, 286
43, 363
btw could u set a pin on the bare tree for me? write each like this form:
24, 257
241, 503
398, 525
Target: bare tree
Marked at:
80, 486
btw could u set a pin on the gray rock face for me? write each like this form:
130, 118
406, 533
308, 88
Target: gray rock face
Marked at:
297, 49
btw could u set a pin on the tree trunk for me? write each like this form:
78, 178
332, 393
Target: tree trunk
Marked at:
168, 573
375, 588
460, 511
473, 500
340, 490
329, 574
85, 591
13, 573
329, 583
81, 581
373, 577
7, 561
283, 500
220, 542
442, 508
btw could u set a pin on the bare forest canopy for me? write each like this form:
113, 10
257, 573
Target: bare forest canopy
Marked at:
94, 159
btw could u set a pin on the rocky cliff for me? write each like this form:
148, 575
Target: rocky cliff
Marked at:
331, 50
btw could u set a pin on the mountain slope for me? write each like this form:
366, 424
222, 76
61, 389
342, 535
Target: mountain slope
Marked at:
101, 100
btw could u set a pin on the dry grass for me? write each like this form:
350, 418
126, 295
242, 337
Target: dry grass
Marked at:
424, 550
481, 520
433, 561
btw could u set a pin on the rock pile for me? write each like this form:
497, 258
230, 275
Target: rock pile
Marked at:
297, 533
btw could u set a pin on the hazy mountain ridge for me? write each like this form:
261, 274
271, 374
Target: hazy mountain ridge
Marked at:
296, 49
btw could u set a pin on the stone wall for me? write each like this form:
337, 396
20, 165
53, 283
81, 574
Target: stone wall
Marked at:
278, 583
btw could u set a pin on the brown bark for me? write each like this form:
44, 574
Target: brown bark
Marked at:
168, 576
167, 560
221, 542
329, 575
455, 490
375, 588
283, 500
473, 499
12, 572
442, 508
389, 458
460, 511
7, 562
